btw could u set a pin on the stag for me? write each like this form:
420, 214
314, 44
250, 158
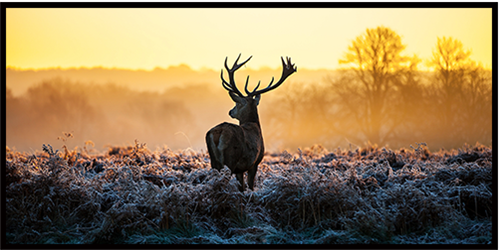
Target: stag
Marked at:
241, 147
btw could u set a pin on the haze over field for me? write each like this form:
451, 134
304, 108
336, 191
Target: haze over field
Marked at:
176, 107
172, 107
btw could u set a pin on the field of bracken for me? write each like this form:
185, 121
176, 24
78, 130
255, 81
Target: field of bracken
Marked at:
364, 195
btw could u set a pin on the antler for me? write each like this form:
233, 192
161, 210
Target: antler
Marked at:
288, 69
231, 86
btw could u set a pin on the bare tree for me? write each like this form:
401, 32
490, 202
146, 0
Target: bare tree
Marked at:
463, 93
366, 90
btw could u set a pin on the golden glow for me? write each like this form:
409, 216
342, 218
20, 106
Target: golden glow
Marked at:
149, 38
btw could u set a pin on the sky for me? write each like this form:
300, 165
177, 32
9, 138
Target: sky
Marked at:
202, 38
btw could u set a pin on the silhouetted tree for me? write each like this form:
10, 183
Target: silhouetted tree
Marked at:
462, 92
366, 90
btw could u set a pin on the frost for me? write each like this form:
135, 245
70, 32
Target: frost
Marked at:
366, 195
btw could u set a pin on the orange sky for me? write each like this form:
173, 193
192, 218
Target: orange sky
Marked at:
149, 38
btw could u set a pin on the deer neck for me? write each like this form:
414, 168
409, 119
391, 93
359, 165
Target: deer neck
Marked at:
252, 117
252, 131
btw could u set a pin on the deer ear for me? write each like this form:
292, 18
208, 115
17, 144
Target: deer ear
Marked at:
257, 99
235, 97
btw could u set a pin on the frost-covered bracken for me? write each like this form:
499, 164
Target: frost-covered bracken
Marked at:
312, 196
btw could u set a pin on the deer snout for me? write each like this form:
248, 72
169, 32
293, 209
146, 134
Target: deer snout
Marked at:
231, 113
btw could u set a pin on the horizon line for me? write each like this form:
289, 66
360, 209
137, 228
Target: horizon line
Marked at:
181, 65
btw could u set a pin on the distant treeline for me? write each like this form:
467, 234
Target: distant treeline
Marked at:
381, 98
104, 114
328, 115
298, 115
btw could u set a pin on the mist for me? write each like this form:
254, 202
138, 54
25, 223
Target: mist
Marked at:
299, 114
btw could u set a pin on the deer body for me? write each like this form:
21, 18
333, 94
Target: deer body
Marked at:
241, 147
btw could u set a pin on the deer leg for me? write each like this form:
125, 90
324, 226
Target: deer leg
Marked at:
251, 176
215, 160
242, 181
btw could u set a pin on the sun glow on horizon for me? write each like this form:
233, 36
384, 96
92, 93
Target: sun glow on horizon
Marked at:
145, 39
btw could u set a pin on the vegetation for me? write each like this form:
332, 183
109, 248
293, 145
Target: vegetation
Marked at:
314, 196
378, 66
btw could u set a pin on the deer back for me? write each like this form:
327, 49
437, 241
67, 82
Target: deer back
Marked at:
239, 146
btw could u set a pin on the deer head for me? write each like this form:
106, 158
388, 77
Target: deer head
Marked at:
245, 109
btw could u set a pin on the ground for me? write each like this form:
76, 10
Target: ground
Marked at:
312, 196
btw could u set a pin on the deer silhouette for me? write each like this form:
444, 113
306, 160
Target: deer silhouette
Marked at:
241, 147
